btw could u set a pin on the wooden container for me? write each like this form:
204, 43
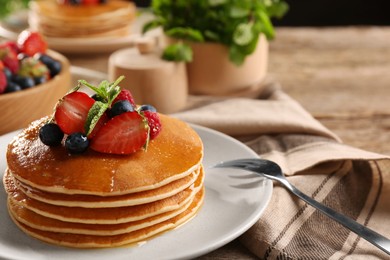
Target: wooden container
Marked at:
150, 79
212, 73
20, 108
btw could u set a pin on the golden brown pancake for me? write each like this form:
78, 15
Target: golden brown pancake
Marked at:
73, 21
176, 153
93, 241
102, 215
102, 200
36, 221
92, 201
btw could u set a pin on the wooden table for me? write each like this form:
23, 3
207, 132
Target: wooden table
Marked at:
340, 75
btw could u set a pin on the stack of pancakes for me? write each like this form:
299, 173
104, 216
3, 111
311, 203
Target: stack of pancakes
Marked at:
113, 18
101, 200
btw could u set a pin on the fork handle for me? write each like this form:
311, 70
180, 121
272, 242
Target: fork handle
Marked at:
368, 234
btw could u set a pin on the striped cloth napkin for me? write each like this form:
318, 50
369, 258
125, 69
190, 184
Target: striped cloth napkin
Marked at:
350, 180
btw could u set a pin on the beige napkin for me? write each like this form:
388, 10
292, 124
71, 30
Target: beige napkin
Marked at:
349, 180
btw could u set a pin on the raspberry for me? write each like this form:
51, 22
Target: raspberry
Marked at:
125, 94
154, 123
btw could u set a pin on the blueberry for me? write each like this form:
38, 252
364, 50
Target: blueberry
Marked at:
53, 65
39, 80
12, 87
75, 2
8, 73
51, 134
147, 108
76, 143
23, 82
120, 107
55, 68
44, 58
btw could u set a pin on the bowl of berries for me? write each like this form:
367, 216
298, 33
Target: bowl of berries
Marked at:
32, 79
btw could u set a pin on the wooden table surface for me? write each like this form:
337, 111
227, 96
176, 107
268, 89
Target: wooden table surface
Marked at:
340, 75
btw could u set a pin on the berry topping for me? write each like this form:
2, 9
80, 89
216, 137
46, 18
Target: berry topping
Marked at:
12, 87
31, 43
106, 122
120, 107
154, 123
53, 65
76, 143
125, 94
3, 81
24, 82
31, 67
123, 134
51, 134
147, 108
72, 111
9, 58
25, 63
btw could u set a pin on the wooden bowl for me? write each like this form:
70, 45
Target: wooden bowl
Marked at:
18, 109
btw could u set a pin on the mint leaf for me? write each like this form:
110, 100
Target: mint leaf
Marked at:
178, 52
243, 34
185, 34
94, 114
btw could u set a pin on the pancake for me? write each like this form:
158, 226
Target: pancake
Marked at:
36, 221
93, 241
176, 153
69, 21
102, 215
91, 201
94, 200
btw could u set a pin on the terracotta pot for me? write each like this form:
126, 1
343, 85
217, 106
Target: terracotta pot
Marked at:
22, 107
212, 73
150, 79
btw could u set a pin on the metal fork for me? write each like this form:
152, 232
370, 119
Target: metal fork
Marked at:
273, 171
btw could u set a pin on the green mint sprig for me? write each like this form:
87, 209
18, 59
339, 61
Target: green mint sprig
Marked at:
105, 94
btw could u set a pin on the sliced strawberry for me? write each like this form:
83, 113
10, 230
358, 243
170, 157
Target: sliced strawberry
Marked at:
3, 81
125, 94
31, 43
123, 134
154, 123
72, 111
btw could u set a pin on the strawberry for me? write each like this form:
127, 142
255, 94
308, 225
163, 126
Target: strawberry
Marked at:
72, 111
154, 123
9, 58
3, 81
90, 2
125, 94
123, 134
31, 43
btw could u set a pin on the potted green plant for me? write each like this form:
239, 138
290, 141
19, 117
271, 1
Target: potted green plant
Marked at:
223, 41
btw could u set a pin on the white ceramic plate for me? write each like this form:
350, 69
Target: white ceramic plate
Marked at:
233, 203
82, 45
